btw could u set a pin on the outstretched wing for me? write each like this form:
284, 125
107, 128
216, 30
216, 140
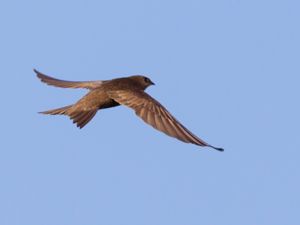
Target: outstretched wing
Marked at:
67, 84
153, 113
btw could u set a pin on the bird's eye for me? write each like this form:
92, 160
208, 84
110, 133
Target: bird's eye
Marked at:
147, 80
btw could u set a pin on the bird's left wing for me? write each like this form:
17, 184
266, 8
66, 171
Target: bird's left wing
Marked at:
67, 84
153, 113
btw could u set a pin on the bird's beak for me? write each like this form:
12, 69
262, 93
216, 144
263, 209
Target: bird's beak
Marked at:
152, 83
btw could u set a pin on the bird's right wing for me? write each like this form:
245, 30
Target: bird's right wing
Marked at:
153, 113
67, 84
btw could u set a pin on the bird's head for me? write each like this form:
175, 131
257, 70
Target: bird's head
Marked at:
143, 81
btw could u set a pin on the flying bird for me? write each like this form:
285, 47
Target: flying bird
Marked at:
128, 91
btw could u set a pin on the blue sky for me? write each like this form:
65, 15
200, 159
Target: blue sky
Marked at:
228, 70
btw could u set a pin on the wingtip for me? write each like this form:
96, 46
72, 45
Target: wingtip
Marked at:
218, 149
44, 112
38, 73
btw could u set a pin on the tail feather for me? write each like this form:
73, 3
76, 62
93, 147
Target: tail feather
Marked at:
59, 111
81, 118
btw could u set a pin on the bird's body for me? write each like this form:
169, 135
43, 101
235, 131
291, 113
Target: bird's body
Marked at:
128, 91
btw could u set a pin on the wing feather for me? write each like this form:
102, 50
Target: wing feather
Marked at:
67, 84
156, 115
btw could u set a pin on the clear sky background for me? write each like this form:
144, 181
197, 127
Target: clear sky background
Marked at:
229, 70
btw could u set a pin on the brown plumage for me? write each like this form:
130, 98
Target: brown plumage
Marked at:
128, 91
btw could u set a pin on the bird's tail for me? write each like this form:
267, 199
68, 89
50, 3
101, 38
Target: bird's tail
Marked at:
60, 111
81, 118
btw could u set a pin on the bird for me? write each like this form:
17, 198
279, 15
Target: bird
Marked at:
127, 91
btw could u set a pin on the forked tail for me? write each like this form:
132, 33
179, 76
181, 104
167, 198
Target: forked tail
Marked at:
80, 117
59, 111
